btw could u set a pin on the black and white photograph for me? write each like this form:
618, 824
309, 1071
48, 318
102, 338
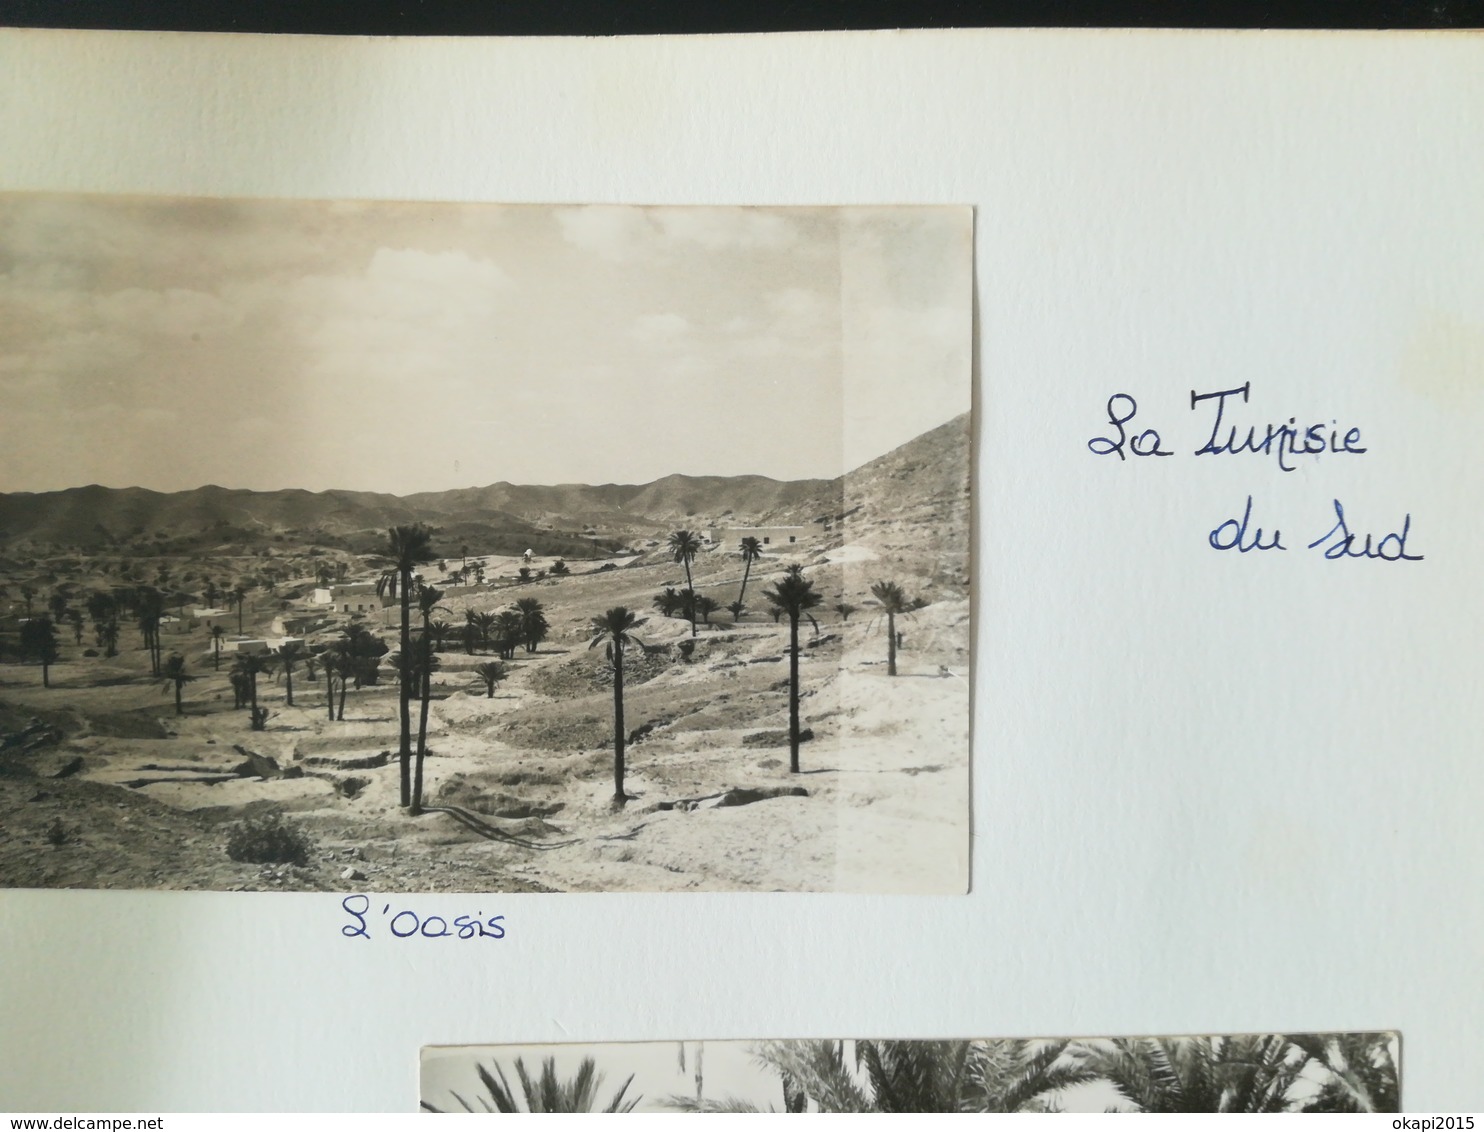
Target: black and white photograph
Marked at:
1252, 1073
415, 547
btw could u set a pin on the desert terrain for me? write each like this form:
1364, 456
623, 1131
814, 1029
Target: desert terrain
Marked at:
104, 784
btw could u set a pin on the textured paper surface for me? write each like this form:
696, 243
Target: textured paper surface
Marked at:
1212, 793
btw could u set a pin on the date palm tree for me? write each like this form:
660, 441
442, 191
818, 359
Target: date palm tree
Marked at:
705, 606
844, 609
483, 623
533, 624
509, 626
149, 608
289, 655
249, 666
108, 637
424, 664
75, 619
736, 609
751, 551
546, 1093
615, 629
684, 546
667, 601
998, 1076
793, 596
39, 639
894, 603
408, 547
177, 677
217, 633
491, 672
1249, 1073
239, 595
426, 659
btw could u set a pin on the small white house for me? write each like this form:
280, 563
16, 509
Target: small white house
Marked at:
728, 538
351, 597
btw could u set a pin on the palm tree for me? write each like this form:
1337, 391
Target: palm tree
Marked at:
616, 628
177, 677
736, 609
75, 619
408, 547
150, 608
39, 639
330, 662
108, 637
424, 664
509, 627
533, 625
483, 624
705, 606
102, 608
426, 659
794, 596
289, 655
1255, 1073
997, 1076
893, 602
239, 595
546, 1093
1358, 1072
752, 550
440, 629
249, 666
684, 546
217, 633
667, 602
491, 672
844, 609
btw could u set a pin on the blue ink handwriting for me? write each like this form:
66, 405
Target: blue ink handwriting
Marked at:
405, 923
1121, 410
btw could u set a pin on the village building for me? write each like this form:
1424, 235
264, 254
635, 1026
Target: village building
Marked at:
728, 538
244, 645
258, 644
298, 624
351, 597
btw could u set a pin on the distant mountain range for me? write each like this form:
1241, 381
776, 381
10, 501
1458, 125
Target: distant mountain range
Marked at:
93, 518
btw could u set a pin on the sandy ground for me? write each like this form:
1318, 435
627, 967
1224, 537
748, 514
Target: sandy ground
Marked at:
886, 774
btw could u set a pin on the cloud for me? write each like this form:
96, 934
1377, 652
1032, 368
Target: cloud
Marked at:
612, 231
623, 232
663, 331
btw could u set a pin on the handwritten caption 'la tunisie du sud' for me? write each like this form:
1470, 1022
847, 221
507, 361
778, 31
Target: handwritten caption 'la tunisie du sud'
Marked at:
1283, 443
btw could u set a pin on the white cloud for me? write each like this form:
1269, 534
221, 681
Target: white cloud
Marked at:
663, 331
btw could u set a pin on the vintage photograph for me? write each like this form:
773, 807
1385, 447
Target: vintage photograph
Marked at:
358, 546
1354, 1072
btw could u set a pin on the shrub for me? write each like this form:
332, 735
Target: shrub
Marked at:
57, 834
269, 840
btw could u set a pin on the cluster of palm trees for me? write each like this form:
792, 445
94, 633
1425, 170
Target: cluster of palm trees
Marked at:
524, 625
1244, 1073
793, 596
1264, 1073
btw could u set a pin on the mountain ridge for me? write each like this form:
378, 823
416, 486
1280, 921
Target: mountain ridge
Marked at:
93, 515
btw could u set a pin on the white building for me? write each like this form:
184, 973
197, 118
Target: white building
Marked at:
351, 597
729, 538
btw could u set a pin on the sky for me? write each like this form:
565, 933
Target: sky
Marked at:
169, 343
